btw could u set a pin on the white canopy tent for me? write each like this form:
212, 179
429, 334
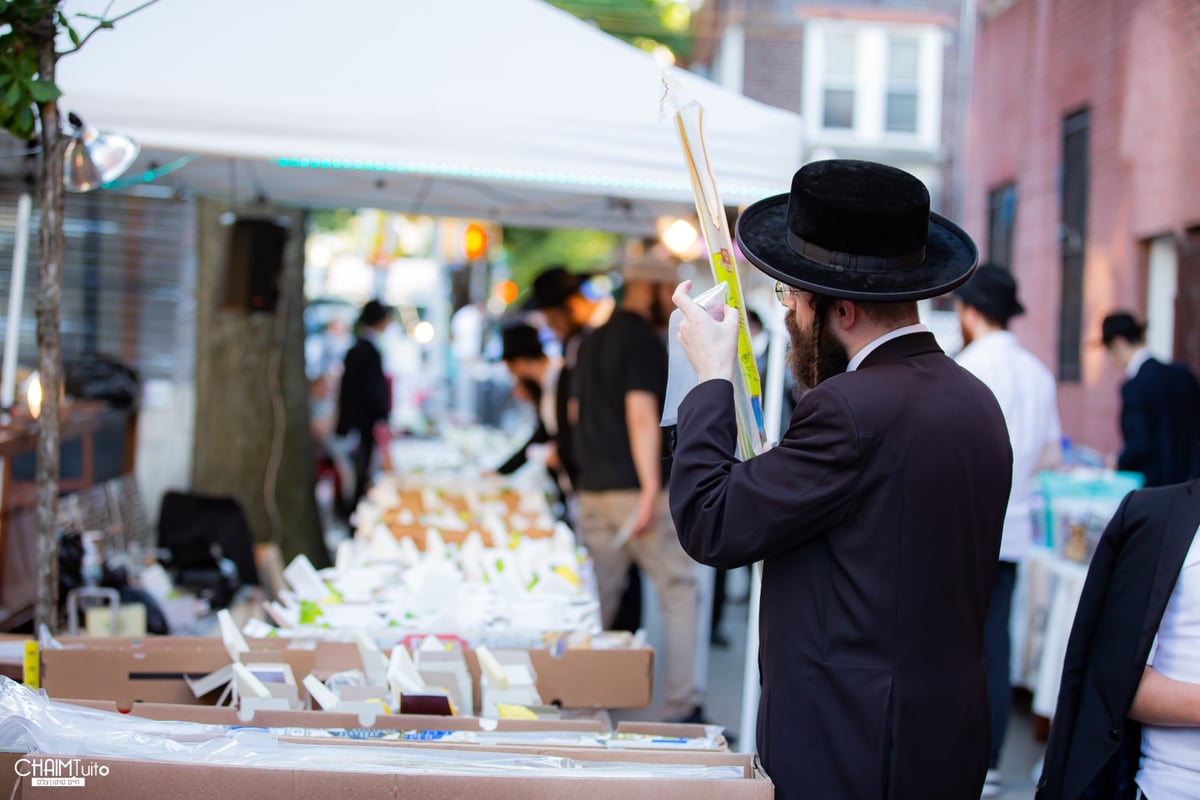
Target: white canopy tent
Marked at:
509, 110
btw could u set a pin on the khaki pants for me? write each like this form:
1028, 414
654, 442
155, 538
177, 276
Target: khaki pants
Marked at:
661, 557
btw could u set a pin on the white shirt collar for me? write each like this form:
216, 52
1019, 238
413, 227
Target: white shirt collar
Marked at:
1135, 363
861, 355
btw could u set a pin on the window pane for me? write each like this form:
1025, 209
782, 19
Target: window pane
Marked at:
902, 62
840, 56
839, 108
902, 112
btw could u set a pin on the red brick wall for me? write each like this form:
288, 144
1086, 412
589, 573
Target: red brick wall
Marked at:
1135, 64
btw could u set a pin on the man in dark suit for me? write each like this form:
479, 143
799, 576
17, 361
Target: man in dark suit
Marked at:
1160, 407
1117, 702
878, 516
364, 397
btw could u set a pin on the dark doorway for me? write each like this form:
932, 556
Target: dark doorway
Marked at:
1187, 302
1073, 237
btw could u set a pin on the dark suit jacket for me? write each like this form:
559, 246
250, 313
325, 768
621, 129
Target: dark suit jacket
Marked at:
1160, 421
1092, 744
878, 518
363, 397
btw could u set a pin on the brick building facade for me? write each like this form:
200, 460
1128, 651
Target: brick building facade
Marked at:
1083, 166
892, 65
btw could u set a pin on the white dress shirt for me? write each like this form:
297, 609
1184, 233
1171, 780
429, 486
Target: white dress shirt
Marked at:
872, 346
1136, 361
1170, 767
1027, 395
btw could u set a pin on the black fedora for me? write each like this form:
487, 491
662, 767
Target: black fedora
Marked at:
993, 291
520, 341
1123, 325
553, 286
856, 230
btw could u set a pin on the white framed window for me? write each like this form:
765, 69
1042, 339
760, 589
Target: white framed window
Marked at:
838, 81
875, 84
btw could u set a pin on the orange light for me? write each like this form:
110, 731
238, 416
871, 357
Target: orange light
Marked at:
475, 241
506, 292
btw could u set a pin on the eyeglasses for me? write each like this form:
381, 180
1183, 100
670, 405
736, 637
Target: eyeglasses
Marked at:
785, 292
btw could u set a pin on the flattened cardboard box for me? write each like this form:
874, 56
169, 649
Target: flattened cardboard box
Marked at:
151, 670
143, 780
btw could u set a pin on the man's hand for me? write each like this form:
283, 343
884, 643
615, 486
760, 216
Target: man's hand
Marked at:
552, 456
645, 514
711, 345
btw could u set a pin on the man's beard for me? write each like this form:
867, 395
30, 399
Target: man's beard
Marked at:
816, 355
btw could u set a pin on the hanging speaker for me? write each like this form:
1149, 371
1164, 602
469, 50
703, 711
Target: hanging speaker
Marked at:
253, 264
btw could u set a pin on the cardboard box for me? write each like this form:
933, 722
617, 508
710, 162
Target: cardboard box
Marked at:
145, 780
152, 670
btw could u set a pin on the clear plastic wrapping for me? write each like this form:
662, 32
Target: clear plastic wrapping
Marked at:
31, 722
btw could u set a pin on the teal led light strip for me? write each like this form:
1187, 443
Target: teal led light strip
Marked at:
151, 174
516, 175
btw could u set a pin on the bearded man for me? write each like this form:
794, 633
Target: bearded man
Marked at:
878, 516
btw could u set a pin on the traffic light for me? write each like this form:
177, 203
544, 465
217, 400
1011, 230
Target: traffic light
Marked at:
474, 241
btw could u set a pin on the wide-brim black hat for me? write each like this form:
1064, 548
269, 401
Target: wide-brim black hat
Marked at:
552, 288
520, 341
993, 291
857, 230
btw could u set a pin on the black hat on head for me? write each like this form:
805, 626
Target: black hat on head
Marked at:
993, 291
552, 288
1122, 324
373, 313
520, 341
856, 230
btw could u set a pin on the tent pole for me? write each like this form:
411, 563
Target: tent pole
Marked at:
773, 410
16, 295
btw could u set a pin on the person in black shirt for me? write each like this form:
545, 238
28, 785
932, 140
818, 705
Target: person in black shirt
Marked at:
558, 295
620, 384
364, 398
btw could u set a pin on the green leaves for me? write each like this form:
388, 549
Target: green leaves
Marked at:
30, 26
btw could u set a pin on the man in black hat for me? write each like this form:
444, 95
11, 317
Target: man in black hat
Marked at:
558, 295
878, 516
527, 362
1160, 407
364, 397
1027, 395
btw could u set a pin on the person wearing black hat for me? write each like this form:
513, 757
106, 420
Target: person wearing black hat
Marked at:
364, 397
522, 353
1027, 395
1160, 407
558, 296
878, 516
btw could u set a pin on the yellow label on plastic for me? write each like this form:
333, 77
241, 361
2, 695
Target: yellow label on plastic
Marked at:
513, 711
33, 666
723, 270
567, 574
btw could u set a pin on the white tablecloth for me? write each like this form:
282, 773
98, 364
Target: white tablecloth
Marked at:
1044, 603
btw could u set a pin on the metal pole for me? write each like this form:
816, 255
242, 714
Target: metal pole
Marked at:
16, 295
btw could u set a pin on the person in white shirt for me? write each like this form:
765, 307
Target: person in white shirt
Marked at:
1127, 723
1169, 709
1026, 392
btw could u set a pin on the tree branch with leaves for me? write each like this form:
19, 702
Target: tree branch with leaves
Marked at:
29, 96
